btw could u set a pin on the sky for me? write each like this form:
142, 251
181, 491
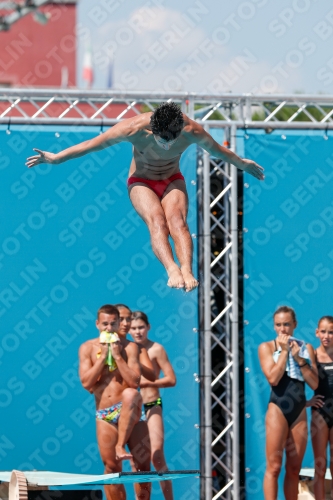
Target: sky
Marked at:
209, 46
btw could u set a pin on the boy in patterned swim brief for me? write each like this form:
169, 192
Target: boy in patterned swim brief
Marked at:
116, 393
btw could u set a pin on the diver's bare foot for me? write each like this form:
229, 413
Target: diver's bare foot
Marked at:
176, 279
190, 281
121, 453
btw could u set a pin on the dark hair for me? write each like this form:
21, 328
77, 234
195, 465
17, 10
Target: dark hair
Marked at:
122, 306
286, 309
108, 309
328, 318
167, 121
140, 315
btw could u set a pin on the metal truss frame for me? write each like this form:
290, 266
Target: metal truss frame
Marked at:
72, 106
219, 232
219, 340
16, 10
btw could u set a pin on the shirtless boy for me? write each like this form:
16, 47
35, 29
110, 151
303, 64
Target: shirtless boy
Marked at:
150, 393
118, 402
125, 318
139, 443
156, 187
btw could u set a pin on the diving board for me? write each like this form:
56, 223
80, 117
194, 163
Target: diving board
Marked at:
48, 478
20, 481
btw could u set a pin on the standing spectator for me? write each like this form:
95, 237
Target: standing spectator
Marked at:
152, 400
288, 365
322, 406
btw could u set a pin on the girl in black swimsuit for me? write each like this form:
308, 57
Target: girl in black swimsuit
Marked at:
286, 426
322, 406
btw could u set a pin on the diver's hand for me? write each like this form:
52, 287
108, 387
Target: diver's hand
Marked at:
104, 351
252, 168
316, 401
42, 157
295, 350
284, 341
116, 349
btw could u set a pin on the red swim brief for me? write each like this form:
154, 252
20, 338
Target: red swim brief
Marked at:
158, 187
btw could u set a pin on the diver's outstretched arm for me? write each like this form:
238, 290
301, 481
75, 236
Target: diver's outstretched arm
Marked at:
206, 141
114, 135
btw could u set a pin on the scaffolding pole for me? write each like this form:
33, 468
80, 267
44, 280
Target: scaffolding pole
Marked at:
207, 325
234, 320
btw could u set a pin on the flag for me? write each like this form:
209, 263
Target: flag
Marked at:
64, 77
88, 73
109, 84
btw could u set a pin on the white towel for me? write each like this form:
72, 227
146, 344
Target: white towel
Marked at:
292, 368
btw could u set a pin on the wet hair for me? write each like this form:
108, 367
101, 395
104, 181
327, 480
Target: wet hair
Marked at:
328, 318
108, 309
140, 315
122, 306
286, 309
167, 121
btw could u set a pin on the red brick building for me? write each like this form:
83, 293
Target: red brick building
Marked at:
34, 54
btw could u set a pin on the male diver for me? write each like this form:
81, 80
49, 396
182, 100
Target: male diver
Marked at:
156, 186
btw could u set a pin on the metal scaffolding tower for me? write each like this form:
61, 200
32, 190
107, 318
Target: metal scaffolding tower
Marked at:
16, 10
219, 232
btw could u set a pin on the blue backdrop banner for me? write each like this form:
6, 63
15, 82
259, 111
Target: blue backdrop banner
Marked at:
288, 255
71, 242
